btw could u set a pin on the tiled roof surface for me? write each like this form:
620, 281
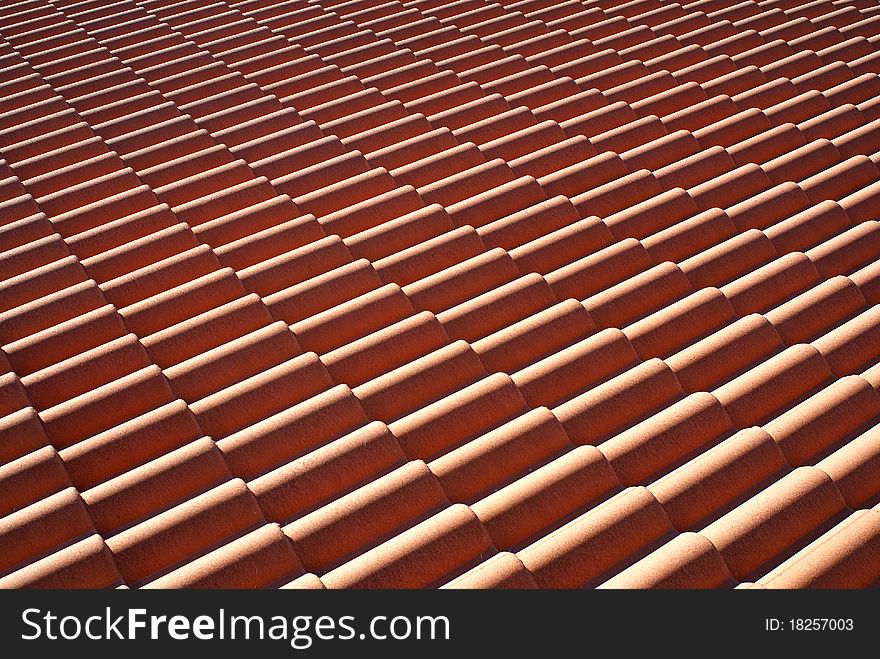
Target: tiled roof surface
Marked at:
479, 293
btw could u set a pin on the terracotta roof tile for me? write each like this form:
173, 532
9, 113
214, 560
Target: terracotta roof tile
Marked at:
25, 537
400, 232
43, 280
619, 402
723, 262
698, 115
867, 281
550, 159
455, 535
307, 581
691, 171
326, 536
559, 248
497, 202
726, 352
84, 564
126, 279
767, 525
632, 299
854, 91
664, 439
612, 534
301, 244
510, 448
769, 285
547, 496
842, 558
808, 228
798, 109
859, 206
563, 374
497, 309
769, 207
385, 349
550, 100
729, 188
724, 475
766, 145
106, 406
158, 484
679, 324
850, 467
404, 389
768, 388
457, 283
655, 214
269, 441
670, 101
331, 469
130, 444
687, 561
439, 165
261, 395
842, 408
233, 362
688, 237
851, 347
32, 477
596, 272
840, 180
614, 196
799, 320
205, 331
848, 251
585, 175
162, 541
260, 558
503, 570
832, 123
182, 302
312, 297
79, 374
446, 423
431, 256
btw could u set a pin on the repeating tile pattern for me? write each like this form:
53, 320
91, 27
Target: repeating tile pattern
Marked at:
471, 293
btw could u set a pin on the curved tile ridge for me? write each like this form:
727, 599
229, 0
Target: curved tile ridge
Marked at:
371, 293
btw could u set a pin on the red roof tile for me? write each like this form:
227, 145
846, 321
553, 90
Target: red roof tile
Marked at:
612, 534
430, 284
687, 561
842, 558
773, 520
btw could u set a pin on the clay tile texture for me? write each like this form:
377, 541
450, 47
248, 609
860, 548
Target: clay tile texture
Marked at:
439, 294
